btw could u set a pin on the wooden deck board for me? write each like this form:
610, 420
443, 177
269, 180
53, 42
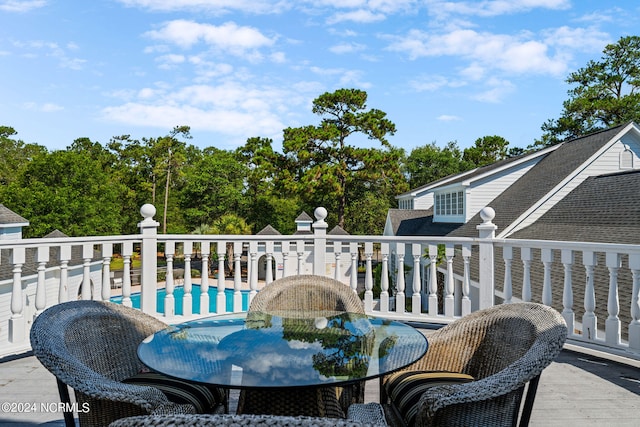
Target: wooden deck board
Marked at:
574, 390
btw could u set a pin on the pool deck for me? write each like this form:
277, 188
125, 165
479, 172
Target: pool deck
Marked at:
576, 389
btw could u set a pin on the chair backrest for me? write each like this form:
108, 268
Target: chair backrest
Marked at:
505, 348
487, 341
77, 339
306, 293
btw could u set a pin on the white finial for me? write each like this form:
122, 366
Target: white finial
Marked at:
320, 213
148, 211
487, 214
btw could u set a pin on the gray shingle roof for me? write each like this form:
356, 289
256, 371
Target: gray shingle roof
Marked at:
539, 180
7, 216
269, 231
418, 222
603, 208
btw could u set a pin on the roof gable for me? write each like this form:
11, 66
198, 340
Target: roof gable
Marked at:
539, 180
603, 208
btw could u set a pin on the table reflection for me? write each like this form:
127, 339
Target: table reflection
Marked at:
256, 350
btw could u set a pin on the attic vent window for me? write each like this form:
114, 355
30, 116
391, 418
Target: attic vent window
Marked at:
626, 158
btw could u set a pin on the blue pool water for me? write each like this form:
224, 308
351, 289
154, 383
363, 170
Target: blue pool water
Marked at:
195, 297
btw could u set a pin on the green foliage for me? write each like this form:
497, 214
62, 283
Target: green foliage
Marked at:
485, 151
213, 184
322, 167
606, 93
429, 163
70, 191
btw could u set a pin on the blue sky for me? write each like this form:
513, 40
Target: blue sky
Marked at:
233, 69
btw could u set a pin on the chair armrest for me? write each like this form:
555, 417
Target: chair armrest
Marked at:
370, 414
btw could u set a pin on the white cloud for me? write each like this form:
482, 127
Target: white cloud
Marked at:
362, 16
448, 118
170, 61
488, 8
211, 6
231, 109
511, 54
343, 48
497, 91
47, 107
433, 83
577, 39
21, 6
228, 36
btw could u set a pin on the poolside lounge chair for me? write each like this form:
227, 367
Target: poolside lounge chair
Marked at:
477, 370
90, 346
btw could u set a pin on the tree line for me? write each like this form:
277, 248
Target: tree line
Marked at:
95, 189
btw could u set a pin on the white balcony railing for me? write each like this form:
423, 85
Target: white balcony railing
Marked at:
422, 279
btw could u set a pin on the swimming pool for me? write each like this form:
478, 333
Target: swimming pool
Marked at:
195, 297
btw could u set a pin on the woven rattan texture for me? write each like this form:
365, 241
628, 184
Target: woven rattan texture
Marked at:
503, 347
201, 420
305, 296
91, 347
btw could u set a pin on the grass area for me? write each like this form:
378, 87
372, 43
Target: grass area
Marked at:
117, 263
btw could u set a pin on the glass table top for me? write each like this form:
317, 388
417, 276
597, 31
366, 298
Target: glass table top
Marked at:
257, 349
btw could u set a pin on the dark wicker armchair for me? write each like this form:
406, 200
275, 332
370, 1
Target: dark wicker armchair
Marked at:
504, 348
90, 346
305, 297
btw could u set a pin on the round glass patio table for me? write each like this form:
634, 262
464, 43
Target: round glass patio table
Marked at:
260, 350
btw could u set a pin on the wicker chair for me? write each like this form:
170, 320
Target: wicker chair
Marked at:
504, 348
207, 420
90, 346
306, 297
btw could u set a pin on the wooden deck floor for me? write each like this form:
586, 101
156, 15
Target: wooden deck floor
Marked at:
575, 390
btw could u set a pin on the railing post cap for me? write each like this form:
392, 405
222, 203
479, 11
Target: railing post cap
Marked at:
487, 214
147, 211
320, 213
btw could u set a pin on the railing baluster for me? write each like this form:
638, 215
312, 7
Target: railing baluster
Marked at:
17, 321
169, 298
634, 326
466, 283
237, 278
416, 298
589, 320
400, 298
187, 298
384, 279
433, 280
205, 250
353, 278
448, 289
547, 258
337, 254
41, 290
612, 324
253, 271
285, 259
507, 255
300, 254
526, 257
368, 277
65, 257
269, 270
127, 252
221, 301
567, 290
87, 255
107, 253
